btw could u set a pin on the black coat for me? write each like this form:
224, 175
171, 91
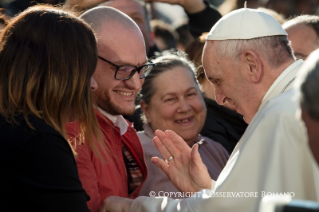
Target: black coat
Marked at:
38, 169
223, 125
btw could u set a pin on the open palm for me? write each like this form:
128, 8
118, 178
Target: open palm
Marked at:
186, 170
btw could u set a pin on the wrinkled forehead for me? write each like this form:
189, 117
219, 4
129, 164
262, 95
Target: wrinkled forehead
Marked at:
209, 53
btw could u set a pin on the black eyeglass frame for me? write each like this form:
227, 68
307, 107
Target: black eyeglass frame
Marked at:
136, 69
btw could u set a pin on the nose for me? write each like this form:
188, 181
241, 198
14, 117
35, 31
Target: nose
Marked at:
220, 97
134, 83
93, 84
183, 106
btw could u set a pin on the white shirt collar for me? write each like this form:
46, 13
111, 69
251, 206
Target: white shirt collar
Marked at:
284, 78
118, 121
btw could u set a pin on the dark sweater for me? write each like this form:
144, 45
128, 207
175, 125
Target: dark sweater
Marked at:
223, 125
203, 21
38, 170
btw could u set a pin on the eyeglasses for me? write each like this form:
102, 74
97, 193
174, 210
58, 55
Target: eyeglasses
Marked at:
125, 72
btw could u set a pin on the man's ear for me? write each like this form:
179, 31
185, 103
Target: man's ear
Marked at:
145, 109
254, 66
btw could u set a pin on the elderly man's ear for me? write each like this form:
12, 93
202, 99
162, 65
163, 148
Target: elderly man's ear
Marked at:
254, 66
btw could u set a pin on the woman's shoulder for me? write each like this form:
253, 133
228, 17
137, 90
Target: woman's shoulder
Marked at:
211, 145
20, 131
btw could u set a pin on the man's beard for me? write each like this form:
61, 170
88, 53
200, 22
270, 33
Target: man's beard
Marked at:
104, 101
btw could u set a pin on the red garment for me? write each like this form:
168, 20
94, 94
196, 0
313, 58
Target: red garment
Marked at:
102, 179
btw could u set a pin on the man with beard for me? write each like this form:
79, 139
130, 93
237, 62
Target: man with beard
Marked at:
120, 72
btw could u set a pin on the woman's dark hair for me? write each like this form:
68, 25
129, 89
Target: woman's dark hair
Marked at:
47, 58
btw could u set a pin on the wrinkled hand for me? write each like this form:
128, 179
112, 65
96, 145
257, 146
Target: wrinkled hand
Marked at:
186, 170
190, 6
116, 204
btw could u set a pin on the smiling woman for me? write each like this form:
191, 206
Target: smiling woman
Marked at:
172, 100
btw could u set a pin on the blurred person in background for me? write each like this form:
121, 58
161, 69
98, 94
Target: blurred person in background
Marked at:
306, 7
3, 20
230, 5
165, 35
16, 6
136, 10
308, 87
184, 35
280, 18
202, 15
283, 7
45, 82
303, 32
223, 124
171, 100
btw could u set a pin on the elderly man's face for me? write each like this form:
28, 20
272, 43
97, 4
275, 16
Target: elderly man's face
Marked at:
120, 46
303, 39
312, 132
230, 85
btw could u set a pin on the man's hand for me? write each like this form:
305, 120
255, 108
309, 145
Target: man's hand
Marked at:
190, 6
116, 204
186, 170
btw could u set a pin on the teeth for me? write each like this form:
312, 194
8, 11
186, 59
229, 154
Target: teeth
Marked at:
183, 121
124, 93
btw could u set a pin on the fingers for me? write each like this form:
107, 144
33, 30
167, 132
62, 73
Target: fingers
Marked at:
160, 164
168, 144
178, 141
196, 158
161, 148
199, 168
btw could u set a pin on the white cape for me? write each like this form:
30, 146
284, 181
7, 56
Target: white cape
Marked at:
272, 156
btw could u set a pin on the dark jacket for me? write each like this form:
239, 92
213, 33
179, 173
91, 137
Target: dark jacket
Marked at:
38, 170
203, 21
223, 125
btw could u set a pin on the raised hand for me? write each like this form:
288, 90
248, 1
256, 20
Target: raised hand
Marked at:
183, 165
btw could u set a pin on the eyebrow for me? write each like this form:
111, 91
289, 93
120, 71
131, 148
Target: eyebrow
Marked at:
302, 56
174, 93
216, 80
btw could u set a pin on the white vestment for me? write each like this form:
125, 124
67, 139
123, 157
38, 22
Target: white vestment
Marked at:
272, 156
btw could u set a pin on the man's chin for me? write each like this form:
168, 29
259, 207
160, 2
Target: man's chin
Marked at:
116, 108
128, 112
115, 111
